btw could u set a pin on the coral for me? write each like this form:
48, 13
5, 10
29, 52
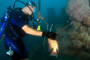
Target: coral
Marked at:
77, 44
75, 40
78, 9
76, 25
78, 36
86, 21
89, 30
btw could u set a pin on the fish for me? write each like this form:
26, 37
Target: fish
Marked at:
53, 45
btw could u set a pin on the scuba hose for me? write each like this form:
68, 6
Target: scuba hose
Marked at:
18, 1
26, 4
31, 16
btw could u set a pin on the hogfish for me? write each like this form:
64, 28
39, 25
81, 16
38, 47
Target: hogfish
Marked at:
54, 46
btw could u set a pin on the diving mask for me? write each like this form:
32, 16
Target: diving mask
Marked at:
34, 10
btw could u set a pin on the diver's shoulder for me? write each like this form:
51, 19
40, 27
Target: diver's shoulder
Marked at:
16, 12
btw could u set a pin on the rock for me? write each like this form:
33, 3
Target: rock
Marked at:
78, 9
87, 21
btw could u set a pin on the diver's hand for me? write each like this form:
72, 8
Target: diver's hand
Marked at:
50, 35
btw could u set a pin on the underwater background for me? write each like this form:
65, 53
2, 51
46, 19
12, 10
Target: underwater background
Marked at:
54, 12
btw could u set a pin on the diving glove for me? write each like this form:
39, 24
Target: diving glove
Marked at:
50, 35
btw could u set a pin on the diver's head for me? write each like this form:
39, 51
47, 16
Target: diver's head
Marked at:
32, 4
30, 8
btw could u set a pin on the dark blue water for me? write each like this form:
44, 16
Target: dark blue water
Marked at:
54, 13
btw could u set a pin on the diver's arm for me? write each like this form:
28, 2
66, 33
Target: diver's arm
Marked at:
31, 31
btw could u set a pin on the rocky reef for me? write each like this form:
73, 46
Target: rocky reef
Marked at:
78, 9
75, 39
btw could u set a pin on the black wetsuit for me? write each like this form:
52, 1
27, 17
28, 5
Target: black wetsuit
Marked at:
14, 34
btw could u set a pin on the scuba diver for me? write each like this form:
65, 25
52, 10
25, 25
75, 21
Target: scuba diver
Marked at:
17, 27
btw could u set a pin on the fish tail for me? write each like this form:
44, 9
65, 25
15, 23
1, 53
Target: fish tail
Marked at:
54, 54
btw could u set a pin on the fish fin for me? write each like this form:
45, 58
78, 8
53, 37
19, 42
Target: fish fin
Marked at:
54, 54
57, 50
